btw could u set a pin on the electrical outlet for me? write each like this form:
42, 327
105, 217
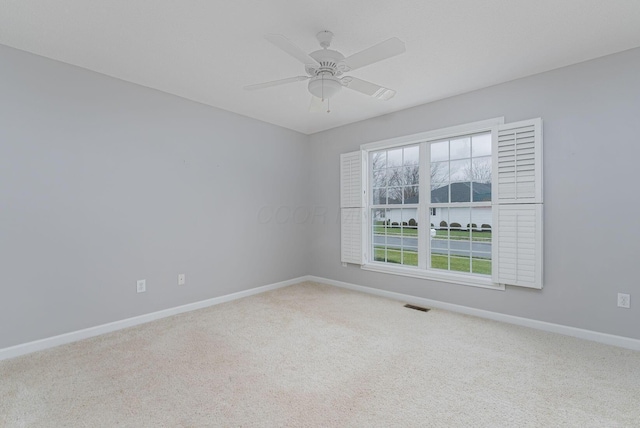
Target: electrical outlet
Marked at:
141, 285
624, 300
181, 279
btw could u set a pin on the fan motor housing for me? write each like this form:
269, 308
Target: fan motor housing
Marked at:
330, 62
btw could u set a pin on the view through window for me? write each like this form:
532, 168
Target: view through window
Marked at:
457, 208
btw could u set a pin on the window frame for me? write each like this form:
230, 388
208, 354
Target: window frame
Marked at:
421, 271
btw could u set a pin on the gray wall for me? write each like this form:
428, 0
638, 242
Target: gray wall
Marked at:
103, 182
591, 114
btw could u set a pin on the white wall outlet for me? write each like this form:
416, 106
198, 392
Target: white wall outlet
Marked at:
181, 279
141, 285
624, 300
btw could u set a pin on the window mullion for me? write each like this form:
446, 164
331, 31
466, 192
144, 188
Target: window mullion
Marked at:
424, 232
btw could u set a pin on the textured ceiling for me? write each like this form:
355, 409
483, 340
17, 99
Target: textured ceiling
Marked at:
208, 50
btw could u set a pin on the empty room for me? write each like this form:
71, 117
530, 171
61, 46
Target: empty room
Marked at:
319, 213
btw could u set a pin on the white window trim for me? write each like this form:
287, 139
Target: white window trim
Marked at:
436, 134
488, 125
446, 276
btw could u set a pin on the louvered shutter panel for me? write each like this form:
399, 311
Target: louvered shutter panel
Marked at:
518, 159
351, 207
351, 180
519, 245
517, 204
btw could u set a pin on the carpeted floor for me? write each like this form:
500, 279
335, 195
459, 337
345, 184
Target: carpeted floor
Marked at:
312, 355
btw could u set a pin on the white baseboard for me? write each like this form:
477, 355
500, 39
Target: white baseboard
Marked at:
608, 339
50, 342
74, 336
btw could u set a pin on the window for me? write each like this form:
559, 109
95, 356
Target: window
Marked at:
459, 198
460, 186
461, 205
394, 206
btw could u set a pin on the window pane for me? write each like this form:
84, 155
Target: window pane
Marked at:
379, 225
379, 254
379, 160
412, 155
394, 220
379, 196
394, 177
394, 158
460, 220
461, 170
461, 148
439, 172
481, 145
481, 266
461, 192
394, 255
440, 220
481, 192
410, 256
394, 195
481, 169
439, 193
411, 175
460, 263
379, 178
410, 226
440, 151
439, 261
411, 194
453, 248
481, 240
440, 242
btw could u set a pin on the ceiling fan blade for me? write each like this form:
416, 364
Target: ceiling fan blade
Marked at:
286, 45
276, 83
379, 52
368, 88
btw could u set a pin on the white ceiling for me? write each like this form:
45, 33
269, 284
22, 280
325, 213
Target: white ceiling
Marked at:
208, 50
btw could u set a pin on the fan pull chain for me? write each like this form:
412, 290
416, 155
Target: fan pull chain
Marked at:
328, 109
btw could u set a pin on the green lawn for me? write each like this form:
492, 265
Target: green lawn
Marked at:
395, 230
463, 235
461, 264
438, 261
456, 235
405, 257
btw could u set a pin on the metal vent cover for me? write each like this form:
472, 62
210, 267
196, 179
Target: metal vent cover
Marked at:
417, 308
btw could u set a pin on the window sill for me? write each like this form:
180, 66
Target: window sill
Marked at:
453, 278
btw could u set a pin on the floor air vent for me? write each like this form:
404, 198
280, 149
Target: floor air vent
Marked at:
417, 308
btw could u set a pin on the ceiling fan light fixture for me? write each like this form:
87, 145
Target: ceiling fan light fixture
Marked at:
324, 87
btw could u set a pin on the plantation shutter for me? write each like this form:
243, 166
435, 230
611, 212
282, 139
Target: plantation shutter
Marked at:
517, 203
351, 207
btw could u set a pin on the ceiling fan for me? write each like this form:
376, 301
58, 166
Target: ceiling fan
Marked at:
325, 66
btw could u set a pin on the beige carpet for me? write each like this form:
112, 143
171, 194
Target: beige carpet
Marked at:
312, 355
